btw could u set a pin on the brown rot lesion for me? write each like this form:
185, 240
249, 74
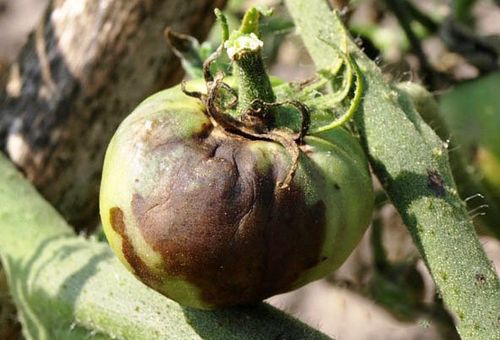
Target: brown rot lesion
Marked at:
139, 267
116, 220
234, 252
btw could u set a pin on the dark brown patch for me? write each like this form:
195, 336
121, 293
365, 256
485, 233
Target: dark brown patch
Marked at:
140, 268
480, 278
435, 183
116, 220
234, 235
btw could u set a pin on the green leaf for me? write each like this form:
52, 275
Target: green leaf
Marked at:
472, 113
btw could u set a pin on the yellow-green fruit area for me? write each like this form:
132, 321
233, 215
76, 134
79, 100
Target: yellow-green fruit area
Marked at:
198, 214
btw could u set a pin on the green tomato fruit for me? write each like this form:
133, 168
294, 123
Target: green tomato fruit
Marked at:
197, 213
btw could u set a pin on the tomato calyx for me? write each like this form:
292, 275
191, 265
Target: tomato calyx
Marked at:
254, 104
256, 122
250, 107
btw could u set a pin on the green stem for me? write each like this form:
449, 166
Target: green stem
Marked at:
412, 165
469, 182
244, 49
253, 81
430, 25
250, 22
66, 287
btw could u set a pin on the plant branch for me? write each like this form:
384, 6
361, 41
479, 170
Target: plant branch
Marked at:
412, 165
244, 49
66, 287
430, 25
404, 17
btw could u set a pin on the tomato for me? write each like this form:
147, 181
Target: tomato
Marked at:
199, 214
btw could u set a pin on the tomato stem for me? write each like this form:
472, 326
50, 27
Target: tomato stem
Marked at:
411, 163
244, 49
253, 81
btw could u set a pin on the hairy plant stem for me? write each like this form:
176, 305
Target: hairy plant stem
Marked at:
412, 164
244, 49
470, 181
67, 287
253, 81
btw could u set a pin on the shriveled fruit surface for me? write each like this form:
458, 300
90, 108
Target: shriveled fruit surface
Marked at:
199, 214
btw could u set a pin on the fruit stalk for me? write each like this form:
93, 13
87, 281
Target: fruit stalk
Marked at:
412, 165
244, 49
66, 287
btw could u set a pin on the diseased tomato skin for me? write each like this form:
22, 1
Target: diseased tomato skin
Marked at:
197, 214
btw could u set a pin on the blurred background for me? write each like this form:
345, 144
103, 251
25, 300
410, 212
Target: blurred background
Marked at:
383, 291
